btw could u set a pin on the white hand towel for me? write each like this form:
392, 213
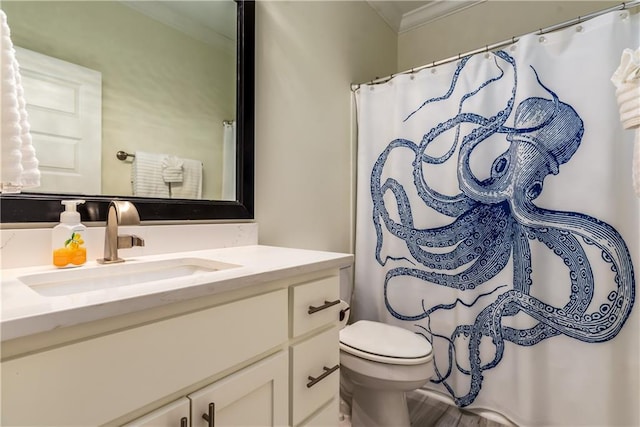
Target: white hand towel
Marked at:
146, 175
172, 169
18, 157
626, 78
191, 185
229, 161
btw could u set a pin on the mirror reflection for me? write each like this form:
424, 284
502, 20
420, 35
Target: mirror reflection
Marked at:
154, 81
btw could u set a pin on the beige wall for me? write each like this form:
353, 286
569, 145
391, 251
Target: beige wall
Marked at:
307, 55
162, 90
484, 24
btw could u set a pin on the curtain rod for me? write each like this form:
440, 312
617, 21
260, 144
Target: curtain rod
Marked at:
560, 26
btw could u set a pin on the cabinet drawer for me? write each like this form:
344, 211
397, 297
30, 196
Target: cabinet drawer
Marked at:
138, 366
315, 377
314, 304
326, 417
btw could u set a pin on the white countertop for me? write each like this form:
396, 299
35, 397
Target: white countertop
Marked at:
25, 311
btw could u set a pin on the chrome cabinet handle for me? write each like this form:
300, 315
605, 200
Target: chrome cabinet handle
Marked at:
326, 304
184, 422
210, 417
325, 374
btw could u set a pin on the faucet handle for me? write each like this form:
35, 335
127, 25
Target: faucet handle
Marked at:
129, 240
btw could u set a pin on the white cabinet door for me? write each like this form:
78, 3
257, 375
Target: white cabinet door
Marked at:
175, 414
254, 396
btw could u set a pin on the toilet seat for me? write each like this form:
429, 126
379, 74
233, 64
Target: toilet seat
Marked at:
384, 343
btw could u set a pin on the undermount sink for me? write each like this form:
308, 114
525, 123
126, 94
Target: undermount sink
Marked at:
86, 279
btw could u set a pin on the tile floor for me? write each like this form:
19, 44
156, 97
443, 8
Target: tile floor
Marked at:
429, 412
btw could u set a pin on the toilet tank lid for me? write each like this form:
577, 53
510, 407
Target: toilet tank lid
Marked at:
384, 340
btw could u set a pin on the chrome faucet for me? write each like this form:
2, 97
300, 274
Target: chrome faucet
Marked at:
120, 212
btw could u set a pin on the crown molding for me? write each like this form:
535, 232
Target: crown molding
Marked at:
389, 12
165, 15
400, 19
432, 11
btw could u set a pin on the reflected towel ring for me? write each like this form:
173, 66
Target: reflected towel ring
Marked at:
122, 155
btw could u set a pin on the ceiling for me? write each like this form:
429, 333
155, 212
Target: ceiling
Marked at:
405, 15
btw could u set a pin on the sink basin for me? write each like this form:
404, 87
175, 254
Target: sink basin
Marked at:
72, 281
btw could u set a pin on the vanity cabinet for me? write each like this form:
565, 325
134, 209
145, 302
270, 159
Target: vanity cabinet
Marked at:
265, 356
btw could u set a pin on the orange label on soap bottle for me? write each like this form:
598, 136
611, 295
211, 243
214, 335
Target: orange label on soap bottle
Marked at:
73, 252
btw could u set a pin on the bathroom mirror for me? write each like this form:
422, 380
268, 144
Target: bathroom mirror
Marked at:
32, 206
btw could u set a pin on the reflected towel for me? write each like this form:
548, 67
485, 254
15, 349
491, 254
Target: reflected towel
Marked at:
146, 175
626, 78
191, 185
229, 161
19, 163
172, 169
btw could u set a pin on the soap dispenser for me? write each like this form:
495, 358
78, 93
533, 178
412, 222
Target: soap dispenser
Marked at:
67, 244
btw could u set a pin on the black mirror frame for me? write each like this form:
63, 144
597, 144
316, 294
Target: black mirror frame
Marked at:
46, 208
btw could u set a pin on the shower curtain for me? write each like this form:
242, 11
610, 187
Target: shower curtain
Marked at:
496, 218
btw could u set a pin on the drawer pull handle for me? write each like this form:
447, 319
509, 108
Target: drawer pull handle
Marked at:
326, 304
325, 374
210, 417
184, 422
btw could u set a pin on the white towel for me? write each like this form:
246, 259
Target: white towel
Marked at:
146, 175
626, 78
191, 185
172, 169
18, 157
229, 161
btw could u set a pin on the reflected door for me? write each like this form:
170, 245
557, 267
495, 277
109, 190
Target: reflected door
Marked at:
64, 103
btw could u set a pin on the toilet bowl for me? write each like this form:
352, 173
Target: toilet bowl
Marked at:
379, 364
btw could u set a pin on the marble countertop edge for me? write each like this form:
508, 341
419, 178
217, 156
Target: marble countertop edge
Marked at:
25, 312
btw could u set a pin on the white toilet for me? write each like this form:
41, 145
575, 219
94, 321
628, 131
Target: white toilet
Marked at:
379, 363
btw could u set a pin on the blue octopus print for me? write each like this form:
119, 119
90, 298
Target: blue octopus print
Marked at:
495, 220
